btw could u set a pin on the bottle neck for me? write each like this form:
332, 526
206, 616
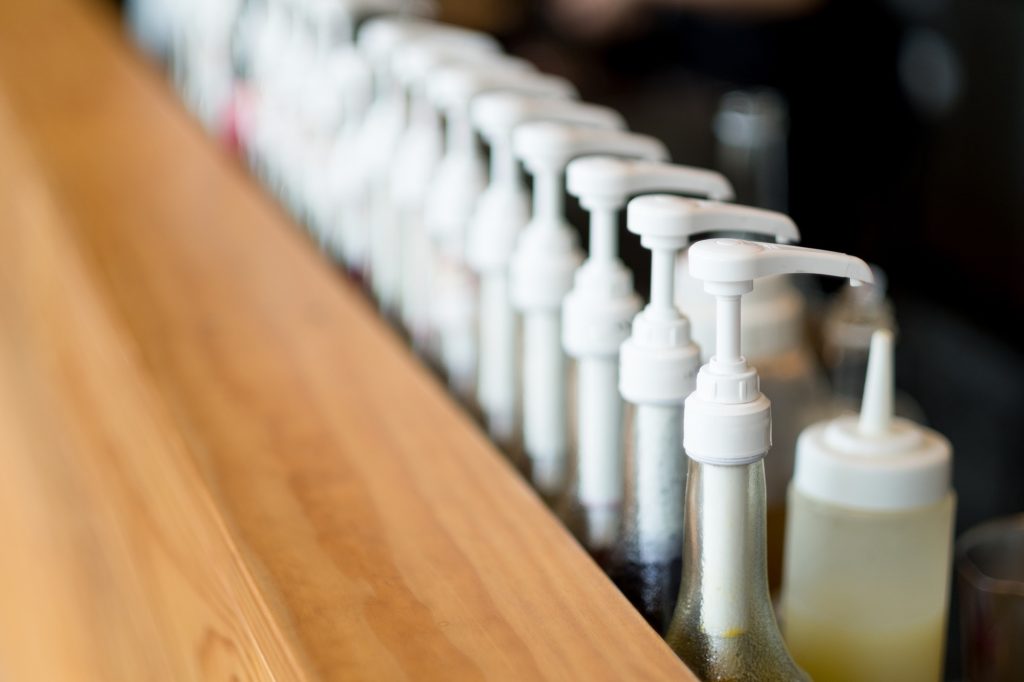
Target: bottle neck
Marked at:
604, 235
503, 162
548, 201
655, 483
724, 625
460, 134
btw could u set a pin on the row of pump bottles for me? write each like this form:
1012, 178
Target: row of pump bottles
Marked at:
648, 428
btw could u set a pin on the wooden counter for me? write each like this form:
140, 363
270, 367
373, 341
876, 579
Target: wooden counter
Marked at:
215, 461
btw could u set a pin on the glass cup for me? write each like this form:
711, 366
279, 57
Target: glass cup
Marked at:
990, 575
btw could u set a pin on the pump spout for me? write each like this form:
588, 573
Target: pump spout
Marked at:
876, 409
734, 261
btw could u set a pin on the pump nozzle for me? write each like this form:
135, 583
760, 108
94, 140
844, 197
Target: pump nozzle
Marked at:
453, 88
610, 180
742, 433
546, 145
734, 261
379, 37
496, 114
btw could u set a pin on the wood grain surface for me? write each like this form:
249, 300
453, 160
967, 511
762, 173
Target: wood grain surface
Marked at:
215, 461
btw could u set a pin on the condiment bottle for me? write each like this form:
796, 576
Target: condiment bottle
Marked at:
869, 541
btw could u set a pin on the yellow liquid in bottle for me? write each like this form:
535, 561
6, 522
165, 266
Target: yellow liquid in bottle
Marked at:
842, 651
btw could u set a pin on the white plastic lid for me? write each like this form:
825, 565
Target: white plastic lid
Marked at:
874, 461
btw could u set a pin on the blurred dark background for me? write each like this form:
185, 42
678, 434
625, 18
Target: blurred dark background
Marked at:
905, 146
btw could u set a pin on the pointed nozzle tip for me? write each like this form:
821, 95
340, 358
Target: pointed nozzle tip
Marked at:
876, 409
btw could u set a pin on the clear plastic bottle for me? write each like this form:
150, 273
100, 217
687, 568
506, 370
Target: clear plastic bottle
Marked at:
868, 550
865, 592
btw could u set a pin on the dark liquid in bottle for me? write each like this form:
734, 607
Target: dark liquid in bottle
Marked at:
652, 587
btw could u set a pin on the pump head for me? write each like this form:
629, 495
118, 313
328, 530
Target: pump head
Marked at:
728, 419
452, 88
379, 37
608, 181
598, 311
497, 114
659, 359
504, 208
547, 146
547, 252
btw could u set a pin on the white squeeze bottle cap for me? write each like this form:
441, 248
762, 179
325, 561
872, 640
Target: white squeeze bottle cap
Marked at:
546, 256
875, 461
727, 420
658, 359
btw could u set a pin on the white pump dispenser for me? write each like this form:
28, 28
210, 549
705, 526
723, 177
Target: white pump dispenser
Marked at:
378, 39
418, 154
461, 179
500, 214
546, 255
868, 541
428, 59
724, 626
657, 368
596, 320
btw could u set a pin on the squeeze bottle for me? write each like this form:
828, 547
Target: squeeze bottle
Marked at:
724, 626
869, 541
